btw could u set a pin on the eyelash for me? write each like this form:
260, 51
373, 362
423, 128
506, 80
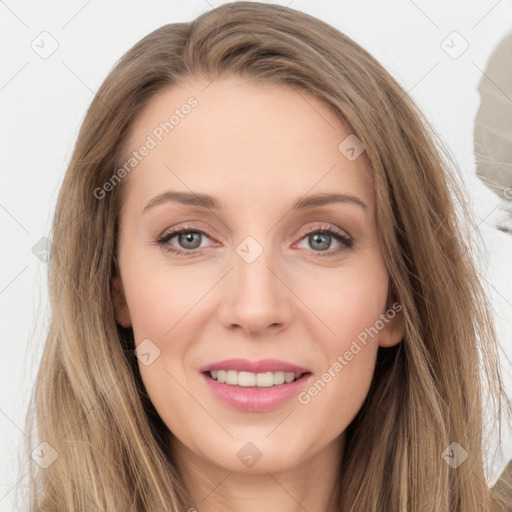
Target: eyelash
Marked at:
345, 240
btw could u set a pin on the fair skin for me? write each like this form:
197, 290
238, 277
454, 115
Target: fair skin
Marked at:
257, 149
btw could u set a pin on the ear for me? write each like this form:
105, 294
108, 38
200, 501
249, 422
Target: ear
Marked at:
394, 326
120, 306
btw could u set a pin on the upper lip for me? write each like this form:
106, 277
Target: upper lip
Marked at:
261, 366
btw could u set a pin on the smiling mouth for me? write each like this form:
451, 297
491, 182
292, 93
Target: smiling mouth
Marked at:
252, 380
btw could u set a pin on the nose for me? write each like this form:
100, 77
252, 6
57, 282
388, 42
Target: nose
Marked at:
256, 298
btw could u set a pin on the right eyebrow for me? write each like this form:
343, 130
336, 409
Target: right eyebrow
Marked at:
188, 198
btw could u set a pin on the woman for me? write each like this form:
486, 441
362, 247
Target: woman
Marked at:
205, 353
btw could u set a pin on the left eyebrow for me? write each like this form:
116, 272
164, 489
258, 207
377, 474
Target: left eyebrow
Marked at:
323, 199
212, 203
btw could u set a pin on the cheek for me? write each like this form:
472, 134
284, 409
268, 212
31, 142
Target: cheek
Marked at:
159, 300
340, 386
350, 309
161, 307
350, 305
165, 307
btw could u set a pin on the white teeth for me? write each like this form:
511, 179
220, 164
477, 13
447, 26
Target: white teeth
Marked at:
265, 380
289, 377
246, 379
232, 377
279, 378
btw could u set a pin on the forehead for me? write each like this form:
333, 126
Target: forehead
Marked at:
232, 135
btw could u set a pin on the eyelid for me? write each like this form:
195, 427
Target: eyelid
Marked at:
180, 228
340, 235
328, 228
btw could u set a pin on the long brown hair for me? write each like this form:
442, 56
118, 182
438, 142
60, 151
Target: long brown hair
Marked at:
427, 392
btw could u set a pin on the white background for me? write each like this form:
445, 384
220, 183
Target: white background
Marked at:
43, 102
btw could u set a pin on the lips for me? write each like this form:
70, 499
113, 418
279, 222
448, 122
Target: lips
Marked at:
262, 366
256, 398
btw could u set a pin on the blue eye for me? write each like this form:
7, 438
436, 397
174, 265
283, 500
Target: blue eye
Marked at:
186, 236
189, 241
322, 238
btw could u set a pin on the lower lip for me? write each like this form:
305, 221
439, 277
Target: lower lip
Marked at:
255, 400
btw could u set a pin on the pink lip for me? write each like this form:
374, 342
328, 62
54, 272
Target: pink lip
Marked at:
254, 399
262, 366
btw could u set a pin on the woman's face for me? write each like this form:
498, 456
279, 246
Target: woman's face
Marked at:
252, 277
